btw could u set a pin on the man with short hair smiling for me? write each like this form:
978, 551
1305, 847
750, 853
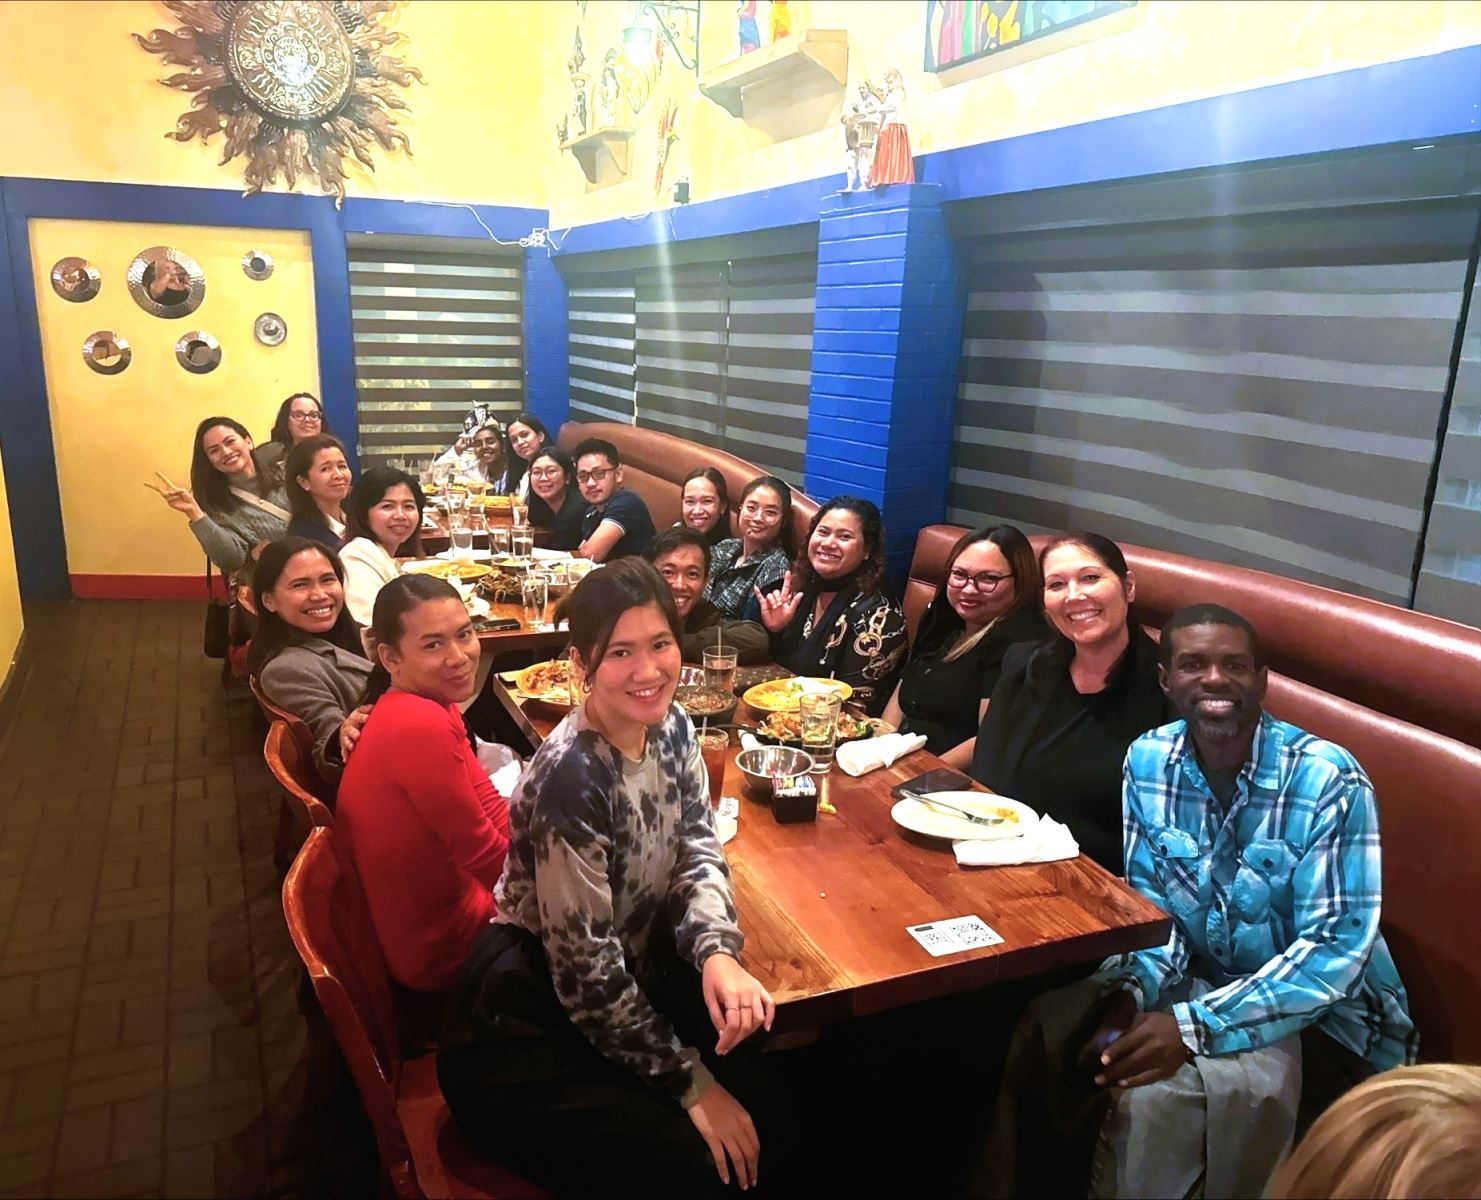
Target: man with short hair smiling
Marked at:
618, 522
1275, 990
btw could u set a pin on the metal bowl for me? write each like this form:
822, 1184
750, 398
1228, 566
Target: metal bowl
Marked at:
760, 765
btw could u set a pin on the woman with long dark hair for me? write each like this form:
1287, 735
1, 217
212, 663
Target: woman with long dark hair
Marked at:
383, 522
299, 416
305, 651
987, 602
759, 557
527, 435
317, 477
831, 615
556, 505
491, 459
1066, 709
586, 1013
426, 829
235, 499
704, 504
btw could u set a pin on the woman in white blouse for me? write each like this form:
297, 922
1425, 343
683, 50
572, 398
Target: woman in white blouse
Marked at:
383, 522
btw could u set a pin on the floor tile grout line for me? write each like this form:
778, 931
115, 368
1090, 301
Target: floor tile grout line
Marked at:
94, 634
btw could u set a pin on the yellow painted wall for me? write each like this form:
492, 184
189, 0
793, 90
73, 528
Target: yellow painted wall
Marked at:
1159, 53
11, 621
113, 431
83, 101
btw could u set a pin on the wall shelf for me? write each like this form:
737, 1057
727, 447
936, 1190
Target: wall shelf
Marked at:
809, 55
603, 154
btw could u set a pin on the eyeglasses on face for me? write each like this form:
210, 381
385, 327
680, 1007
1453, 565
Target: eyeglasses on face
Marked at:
595, 476
308, 418
546, 473
983, 581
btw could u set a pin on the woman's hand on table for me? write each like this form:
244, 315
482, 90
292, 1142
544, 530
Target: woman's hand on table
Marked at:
779, 607
738, 1004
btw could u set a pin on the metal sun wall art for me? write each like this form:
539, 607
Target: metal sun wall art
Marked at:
166, 283
75, 279
294, 85
257, 265
106, 352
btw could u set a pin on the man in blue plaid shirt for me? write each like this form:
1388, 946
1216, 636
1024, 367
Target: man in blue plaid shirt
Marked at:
1274, 991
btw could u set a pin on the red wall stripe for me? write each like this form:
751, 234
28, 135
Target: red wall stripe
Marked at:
144, 587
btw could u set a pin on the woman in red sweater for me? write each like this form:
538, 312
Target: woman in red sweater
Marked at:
425, 828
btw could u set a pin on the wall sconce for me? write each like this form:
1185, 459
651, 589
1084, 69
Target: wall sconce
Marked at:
637, 37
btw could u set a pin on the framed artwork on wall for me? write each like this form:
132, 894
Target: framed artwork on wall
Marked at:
960, 31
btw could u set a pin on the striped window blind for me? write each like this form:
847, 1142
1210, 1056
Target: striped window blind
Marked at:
436, 325
724, 351
1259, 387
601, 311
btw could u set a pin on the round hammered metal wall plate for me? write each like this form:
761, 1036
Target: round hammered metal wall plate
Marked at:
166, 283
198, 352
257, 264
75, 279
270, 329
106, 352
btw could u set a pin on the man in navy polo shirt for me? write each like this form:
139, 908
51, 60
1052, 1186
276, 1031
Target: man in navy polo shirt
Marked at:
617, 523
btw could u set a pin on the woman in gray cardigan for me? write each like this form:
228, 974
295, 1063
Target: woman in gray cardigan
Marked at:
235, 500
306, 652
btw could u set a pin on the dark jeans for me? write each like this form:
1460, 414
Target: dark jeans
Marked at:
528, 1088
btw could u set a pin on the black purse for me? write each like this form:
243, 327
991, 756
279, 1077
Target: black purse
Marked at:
216, 638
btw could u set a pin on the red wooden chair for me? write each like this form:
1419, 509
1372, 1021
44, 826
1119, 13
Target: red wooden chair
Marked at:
295, 774
302, 734
420, 1148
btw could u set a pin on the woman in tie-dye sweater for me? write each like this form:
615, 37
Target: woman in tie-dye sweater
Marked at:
577, 1046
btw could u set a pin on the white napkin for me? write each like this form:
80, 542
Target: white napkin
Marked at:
1045, 841
502, 764
869, 754
749, 742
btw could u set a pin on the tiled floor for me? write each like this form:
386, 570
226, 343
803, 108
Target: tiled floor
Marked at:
156, 1036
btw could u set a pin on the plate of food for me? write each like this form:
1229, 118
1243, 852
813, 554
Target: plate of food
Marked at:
460, 570
704, 703
935, 815
547, 683
782, 695
489, 501
785, 728
500, 583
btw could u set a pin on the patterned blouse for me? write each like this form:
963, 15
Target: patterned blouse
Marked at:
859, 639
601, 850
729, 586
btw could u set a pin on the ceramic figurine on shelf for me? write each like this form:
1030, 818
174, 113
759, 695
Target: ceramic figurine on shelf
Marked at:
750, 35
860, 129
892, 160
609, 92
781, 21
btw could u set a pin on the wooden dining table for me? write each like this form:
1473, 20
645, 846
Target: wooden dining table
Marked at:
825, 905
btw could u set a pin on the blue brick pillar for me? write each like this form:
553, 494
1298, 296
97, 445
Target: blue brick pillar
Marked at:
547, 375
887, 334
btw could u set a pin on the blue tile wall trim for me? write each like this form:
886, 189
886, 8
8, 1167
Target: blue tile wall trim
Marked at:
25, 425
546, 328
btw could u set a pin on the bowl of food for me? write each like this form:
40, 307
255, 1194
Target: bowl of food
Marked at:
705, 703
759, 766
786, 727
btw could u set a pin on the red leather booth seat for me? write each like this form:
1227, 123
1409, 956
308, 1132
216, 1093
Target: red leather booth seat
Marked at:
1402, 692
654, 464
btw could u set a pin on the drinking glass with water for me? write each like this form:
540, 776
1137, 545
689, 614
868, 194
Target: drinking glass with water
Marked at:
523, 540
719, 669
818, 713
535, 592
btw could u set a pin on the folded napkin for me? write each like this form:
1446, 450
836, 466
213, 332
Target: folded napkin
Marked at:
1045, 841
748, 742
861, 757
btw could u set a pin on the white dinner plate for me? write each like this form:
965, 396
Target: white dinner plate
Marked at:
929, 821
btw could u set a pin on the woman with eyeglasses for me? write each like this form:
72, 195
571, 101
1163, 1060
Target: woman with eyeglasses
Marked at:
988, 602
556, 506
759, 557
300, 416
